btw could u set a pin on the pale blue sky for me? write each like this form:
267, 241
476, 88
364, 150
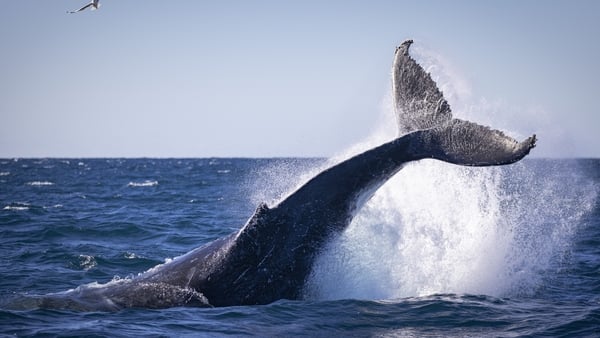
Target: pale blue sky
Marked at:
282, 78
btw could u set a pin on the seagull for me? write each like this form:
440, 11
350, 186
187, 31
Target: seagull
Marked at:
94, 4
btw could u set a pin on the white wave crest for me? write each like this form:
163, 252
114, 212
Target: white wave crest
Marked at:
55, 206
146, 183
40, 183
130, 255
16, 207
87, 262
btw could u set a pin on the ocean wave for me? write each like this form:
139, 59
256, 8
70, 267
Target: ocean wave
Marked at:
146, 183
39, 183
87, 262
17, 206
53, 206
130, 255
4, 173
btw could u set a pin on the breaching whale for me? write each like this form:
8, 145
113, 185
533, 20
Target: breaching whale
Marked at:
272, 255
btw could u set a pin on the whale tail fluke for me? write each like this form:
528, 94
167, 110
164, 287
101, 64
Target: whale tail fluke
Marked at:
422, 109
418, 102
466, 143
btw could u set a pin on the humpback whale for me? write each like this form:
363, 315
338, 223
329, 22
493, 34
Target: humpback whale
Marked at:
272, 255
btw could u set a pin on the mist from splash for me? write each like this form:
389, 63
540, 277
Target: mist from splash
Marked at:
437, 228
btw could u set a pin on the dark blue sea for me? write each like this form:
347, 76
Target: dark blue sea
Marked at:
439, 251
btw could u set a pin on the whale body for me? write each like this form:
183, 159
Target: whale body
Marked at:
272, 255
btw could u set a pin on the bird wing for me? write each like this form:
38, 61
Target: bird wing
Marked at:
82, 8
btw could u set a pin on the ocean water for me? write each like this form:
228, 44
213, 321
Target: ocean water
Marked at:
440, 250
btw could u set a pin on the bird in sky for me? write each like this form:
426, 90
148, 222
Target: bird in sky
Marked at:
94, 4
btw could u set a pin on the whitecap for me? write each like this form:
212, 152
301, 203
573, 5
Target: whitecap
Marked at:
4, 173
146, 183
130, 255
15, 207
226, 171
87, 262
39, 183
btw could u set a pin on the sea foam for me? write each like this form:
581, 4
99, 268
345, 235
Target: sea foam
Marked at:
146, 183
40, 183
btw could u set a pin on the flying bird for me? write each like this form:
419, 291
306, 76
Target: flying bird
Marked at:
94, 4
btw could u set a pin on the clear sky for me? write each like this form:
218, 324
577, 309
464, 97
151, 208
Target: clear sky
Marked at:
284, 78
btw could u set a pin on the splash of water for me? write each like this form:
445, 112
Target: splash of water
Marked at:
438, 228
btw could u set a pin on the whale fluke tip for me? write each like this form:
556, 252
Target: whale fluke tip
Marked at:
533, 141
529, 143
467, 143
403, 48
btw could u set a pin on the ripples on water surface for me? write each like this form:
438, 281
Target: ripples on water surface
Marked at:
439, 251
